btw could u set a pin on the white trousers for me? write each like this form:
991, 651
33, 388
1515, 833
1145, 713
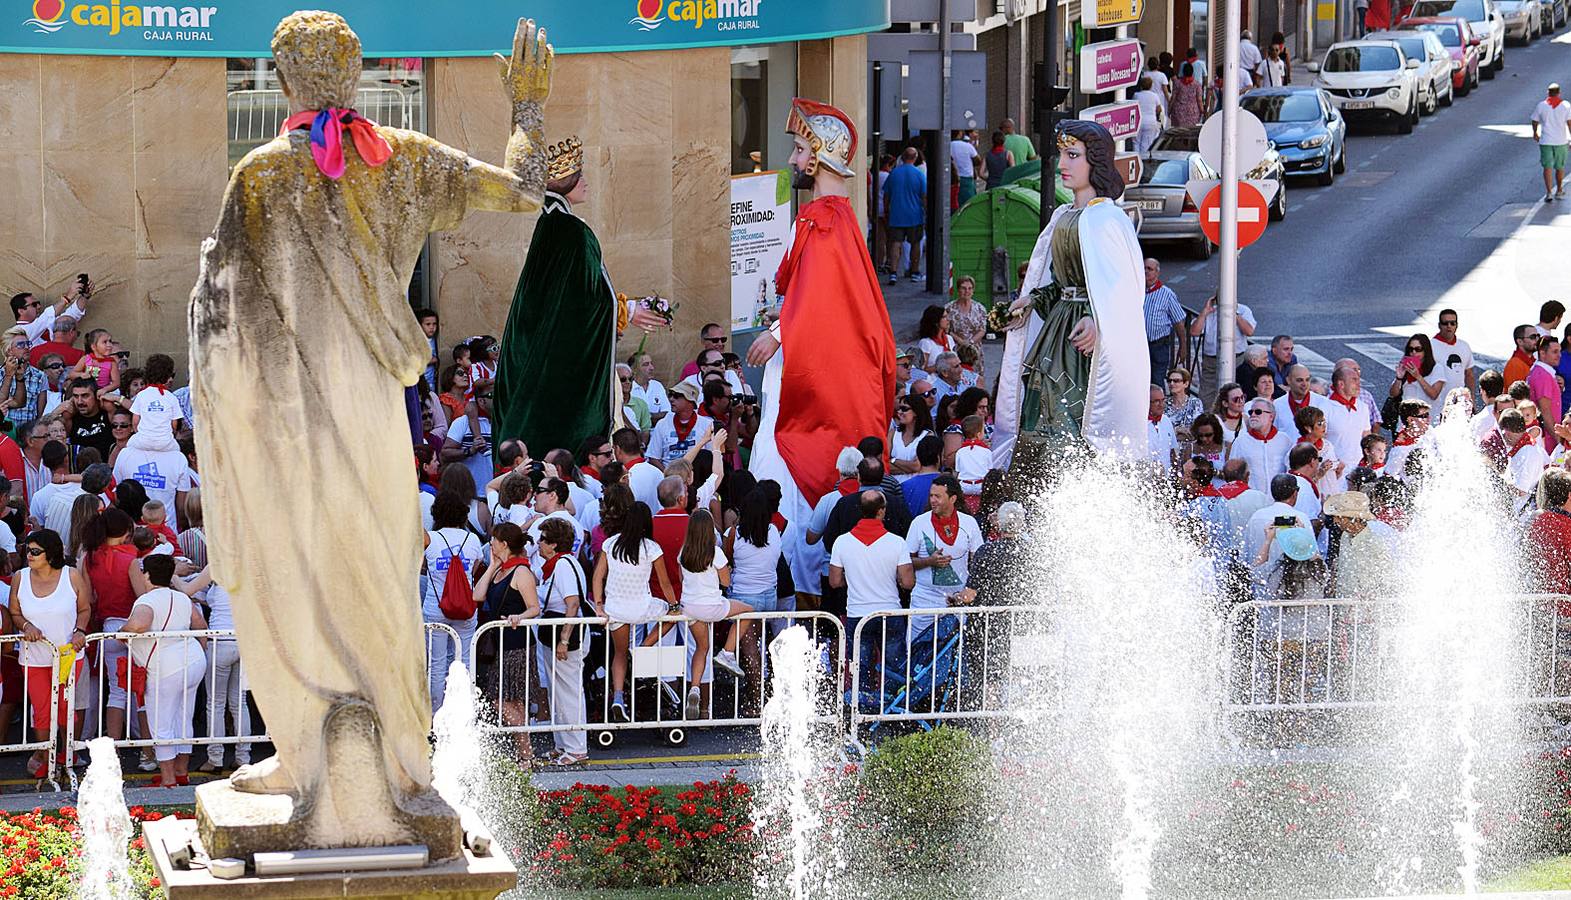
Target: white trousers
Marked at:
567, 691
171, 700
226, 693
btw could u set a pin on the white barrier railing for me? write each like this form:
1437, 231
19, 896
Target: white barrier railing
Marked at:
519, 665
10, 645
948, 664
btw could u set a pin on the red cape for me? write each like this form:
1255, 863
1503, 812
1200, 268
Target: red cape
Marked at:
838, 380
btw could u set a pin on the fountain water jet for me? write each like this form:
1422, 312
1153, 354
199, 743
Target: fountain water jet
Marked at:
106, 826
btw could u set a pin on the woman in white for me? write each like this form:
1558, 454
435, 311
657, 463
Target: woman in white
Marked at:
705, 570
622, 583
174, 665
562, 649
225, 683
50, 606
753, 548
913, 422
448, 540
1152, 115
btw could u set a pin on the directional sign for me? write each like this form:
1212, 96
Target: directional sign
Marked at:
1252, 141
1128, 166
1106, 13
1251, 215
1121, 120
1110, 65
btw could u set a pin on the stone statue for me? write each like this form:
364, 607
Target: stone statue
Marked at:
302, 341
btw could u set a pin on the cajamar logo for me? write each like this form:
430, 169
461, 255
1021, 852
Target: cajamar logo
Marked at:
725, 15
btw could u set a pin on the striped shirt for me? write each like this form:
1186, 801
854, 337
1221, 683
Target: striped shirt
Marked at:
1162, 313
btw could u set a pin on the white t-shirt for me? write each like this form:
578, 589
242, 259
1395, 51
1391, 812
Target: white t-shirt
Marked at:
219, 615
1284, 410
534, 537
754, 569
900, 450
1273, 72
664, 444
1249, 56
438, 556
57, 517
1552, 122
1452, 362
1308, 501
159, 411
567, 580
701, 597
1150, 103
45, 322
738, 386
1159, 83
653, 395
1265, 457
870, 572
1162, 442
166, 656
964, 155
644, 480
159, 471
971, 466
479, 465
922, 540
1345, 430
1208, 345
1524, 468
627, 584
1255, 529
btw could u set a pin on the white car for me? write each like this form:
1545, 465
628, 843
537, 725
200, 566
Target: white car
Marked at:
1371, 81
1486, 20
1434, 65
1524, 19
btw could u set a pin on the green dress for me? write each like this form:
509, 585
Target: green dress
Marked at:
1053, 403
553, 380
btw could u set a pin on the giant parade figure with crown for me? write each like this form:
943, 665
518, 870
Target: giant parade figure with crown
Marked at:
829, 376
554, 384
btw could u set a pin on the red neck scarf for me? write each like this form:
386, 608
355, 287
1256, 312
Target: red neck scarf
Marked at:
681, 431
1312, 486
547, 567
1440, 336
1155, 287
869, 530
847, 486
513, 562
1525, 441
1352, 405
1155, 419
975, 442
1554, 101
101, 360
1210, 491
779, 522
1233, 489
633, 462
1404, 440
1319, 443
1376, 466
591, 471
947, 527
1266, 438
1296, 405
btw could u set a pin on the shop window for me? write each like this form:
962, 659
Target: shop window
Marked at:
763, 81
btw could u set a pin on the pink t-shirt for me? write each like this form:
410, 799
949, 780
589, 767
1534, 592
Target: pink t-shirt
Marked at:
1542, 384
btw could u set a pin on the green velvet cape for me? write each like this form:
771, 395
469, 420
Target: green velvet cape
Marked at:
553, 381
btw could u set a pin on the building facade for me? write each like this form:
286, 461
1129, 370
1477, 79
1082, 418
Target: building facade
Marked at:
122, 123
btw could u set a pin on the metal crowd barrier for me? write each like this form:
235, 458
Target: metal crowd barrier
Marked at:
10, 644
518, 665
950, 664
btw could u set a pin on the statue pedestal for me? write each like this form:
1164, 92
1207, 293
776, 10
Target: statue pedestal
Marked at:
464, 877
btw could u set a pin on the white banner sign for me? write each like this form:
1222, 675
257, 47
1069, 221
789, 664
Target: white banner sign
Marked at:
760, 236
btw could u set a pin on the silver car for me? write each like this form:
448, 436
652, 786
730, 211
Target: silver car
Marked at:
1166, 211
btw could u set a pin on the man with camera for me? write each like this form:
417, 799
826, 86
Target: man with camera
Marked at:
37, 319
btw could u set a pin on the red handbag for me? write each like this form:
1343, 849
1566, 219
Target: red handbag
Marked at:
138, 677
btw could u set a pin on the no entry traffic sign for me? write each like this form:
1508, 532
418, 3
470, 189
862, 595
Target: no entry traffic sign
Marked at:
1251, 214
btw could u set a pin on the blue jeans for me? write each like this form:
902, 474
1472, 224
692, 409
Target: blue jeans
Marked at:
882, 647
439, 653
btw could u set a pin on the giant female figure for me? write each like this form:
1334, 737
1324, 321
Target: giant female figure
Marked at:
1084, 380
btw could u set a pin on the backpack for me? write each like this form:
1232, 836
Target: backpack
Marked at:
458, 595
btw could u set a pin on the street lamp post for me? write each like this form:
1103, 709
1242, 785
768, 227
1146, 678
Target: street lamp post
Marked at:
1227, 289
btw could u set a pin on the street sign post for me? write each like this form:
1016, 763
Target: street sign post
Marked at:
1251, 218
1128, 165
1110, 65
1252, 141
1122, 120
1107, 13
1198, 188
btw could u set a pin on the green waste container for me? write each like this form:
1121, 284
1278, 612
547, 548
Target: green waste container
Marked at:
992, 235
1029, 174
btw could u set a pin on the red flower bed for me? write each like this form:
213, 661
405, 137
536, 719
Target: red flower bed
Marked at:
597, 836
41, 854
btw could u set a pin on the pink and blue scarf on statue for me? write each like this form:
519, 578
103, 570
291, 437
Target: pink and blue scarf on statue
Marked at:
327, 141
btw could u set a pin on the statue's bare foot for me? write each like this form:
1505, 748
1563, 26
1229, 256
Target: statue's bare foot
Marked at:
265, 777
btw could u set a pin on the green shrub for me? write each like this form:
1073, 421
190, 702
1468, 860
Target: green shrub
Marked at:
931, 790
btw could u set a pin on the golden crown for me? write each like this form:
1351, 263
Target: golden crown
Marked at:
1066, 140
564, 158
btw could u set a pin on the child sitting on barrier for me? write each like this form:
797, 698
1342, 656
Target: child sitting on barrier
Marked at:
621, 585
705, 570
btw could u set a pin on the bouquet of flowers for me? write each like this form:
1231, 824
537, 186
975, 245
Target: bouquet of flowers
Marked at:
999, 318
658, 305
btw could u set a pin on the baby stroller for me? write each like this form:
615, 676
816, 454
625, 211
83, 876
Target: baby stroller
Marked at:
933, 664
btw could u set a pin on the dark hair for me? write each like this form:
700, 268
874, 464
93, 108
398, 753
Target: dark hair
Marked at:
946, 411
871, 446
1428, 363
128, 376
449, 510
54, 455
715, 388
949, 483
88, 383
1551, 310
97, 476
515, 489
1100, 150
19, 303
159, 569
970, 399
559, 533
1210, 420
698, 546
1221, 396
1204, 470
1491, 383
457, 479
998, 139
160, 368
1413, 408
564, 185
131, 496
480, 346
636, 528
870, 472
445, 380
1283, 486
1557, 487
932, 317
590, 444
612, 472
1235, 469
96, 532
628, 441
735, 487
1513, 421
757, 512
1304, 420
509, 452
1369, 440
49, 542
425, 312
556, 487
1187, 70
921, 416
514, 537
1301, 455
929, 449
614, 506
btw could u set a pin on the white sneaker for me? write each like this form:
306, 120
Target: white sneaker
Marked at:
694, 700
725, 659
147, 763
1560, 192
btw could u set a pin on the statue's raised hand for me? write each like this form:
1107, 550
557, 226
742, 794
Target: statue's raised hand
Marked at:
527, 76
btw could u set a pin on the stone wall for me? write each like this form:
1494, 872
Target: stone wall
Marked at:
656, 132
113, 166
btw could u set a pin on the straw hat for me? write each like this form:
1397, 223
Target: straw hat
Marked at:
1349, 505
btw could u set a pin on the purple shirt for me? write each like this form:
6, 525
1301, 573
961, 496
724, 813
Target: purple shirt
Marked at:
1542, 386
